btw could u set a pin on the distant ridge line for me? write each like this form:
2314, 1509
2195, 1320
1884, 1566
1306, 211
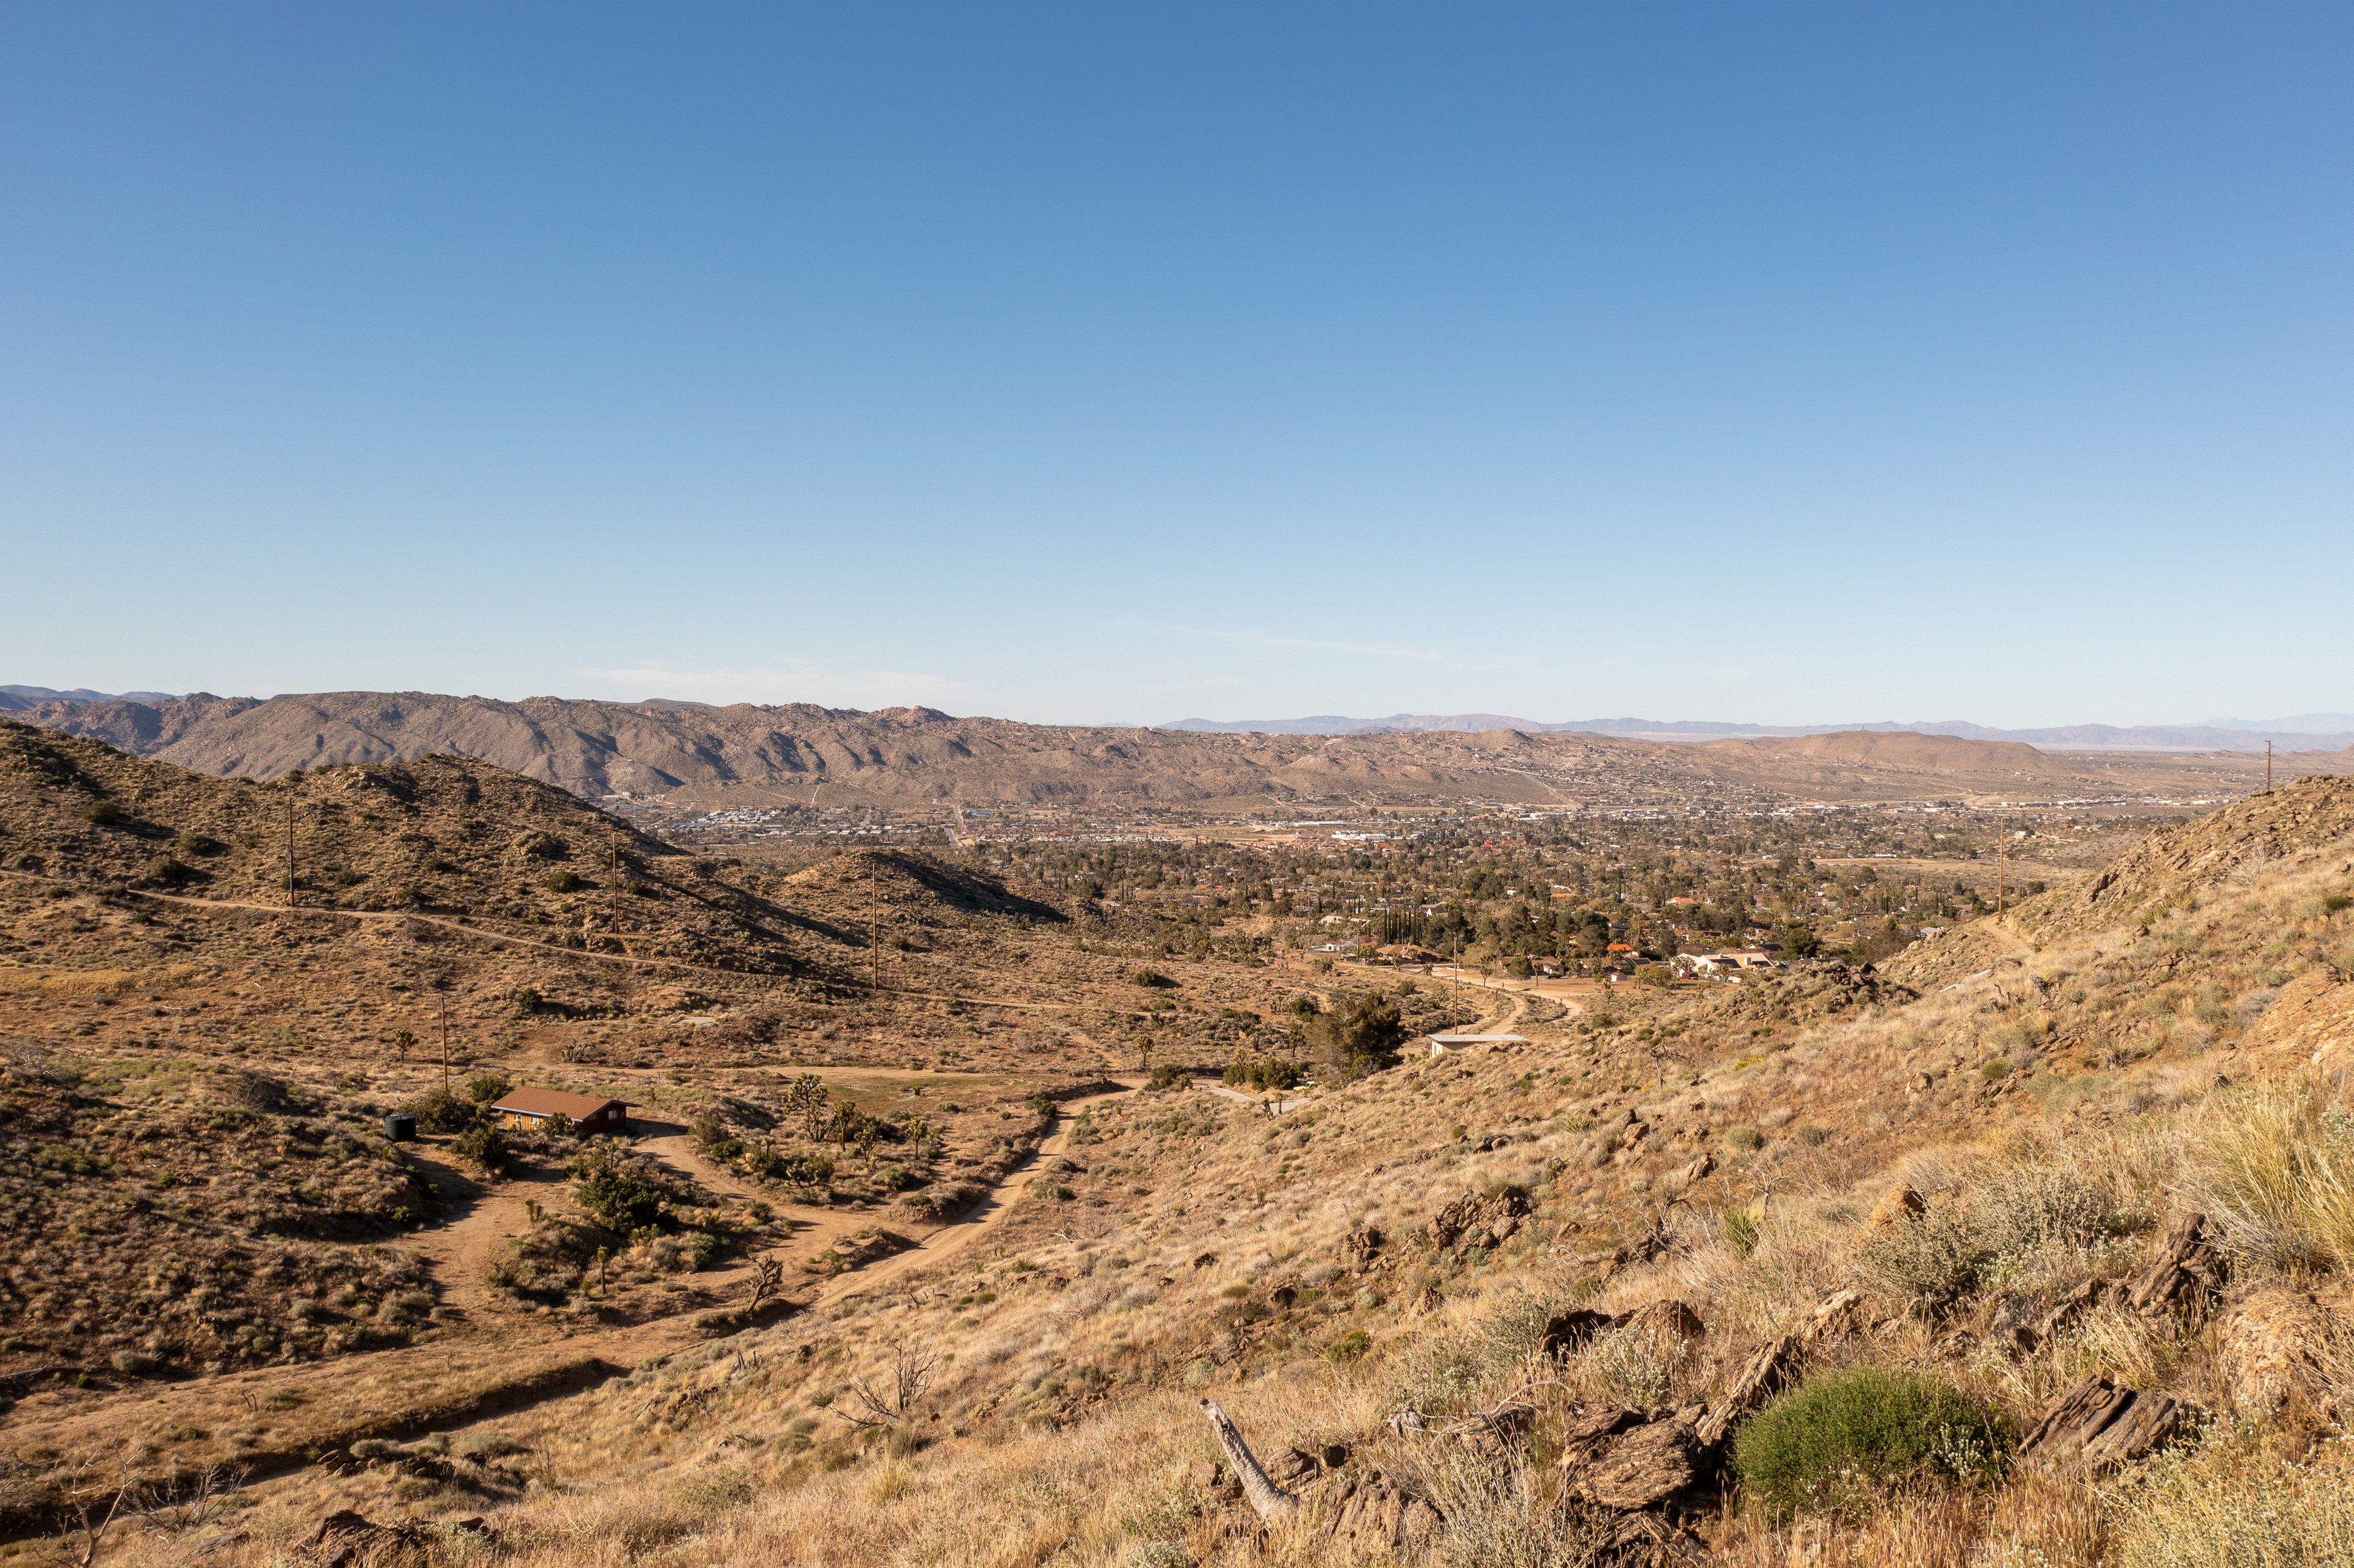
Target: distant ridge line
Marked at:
2066, 738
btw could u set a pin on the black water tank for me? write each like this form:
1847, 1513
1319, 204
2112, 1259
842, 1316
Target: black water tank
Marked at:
399, 1127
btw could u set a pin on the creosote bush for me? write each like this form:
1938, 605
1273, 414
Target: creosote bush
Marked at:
1838, 1444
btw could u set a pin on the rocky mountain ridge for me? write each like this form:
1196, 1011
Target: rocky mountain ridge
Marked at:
799, 753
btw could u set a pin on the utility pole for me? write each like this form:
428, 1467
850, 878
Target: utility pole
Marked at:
289, 846
874, 941
1998, 846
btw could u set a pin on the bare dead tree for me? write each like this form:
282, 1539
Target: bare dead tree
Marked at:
911, 1374
119, 1495
199, 1499
767, 1273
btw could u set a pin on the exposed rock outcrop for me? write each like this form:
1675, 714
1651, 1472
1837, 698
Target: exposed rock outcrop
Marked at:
2098, 1427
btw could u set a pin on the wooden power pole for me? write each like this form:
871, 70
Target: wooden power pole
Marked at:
1998, 846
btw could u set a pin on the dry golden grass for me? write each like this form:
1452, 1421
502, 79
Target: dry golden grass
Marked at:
1203, 1248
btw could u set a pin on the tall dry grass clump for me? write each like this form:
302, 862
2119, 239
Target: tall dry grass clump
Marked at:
2272, 1167
2221, 1507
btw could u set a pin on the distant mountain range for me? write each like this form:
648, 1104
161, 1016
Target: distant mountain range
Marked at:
800, 754
21, 699
2306, 732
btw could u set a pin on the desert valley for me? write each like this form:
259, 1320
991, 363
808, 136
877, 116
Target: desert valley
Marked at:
1134, 1148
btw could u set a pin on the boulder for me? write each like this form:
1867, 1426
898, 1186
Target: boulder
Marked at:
1626, 1464
346, 1540
1664, 1319
2185, 1275
1371, 1520
1771, 1367
2268, 1348
1896, 1205
1775, 1366
2097, 1428
1566, 1332
1474, 1220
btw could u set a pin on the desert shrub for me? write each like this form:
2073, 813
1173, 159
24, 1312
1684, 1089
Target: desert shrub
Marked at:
622, 1196
2023, 1210
101, 814
565, 881
1837, 1443
485, 1148
193, 842
442, 1110
1935, 1258
254, 1091
1152, 980
1350, 1347
1806, 1135
1514, 1330
2273, 1168
165, 869
488, 1087
712, 1136
1748, 1139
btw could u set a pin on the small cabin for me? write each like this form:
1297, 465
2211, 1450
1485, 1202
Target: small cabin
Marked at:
527, 1108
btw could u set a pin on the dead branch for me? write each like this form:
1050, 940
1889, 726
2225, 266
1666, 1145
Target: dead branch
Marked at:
911, 1374
1269, 1501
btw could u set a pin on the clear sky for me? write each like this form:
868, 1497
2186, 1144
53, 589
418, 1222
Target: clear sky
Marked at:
1783, 363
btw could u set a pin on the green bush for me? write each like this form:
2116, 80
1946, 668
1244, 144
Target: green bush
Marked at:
485, 1148
1838, 1444
620, 1197
101, 814
1748, 1139
442, 1110
1350, 1347
194, 842
561, 882
1152, 980
488, 1087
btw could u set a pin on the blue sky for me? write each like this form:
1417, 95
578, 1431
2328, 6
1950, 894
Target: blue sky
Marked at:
1084, 363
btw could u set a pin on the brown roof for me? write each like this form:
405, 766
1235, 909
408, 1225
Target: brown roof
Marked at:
554, 1102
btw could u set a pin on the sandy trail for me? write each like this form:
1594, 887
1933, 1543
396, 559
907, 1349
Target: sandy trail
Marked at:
974, 1224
